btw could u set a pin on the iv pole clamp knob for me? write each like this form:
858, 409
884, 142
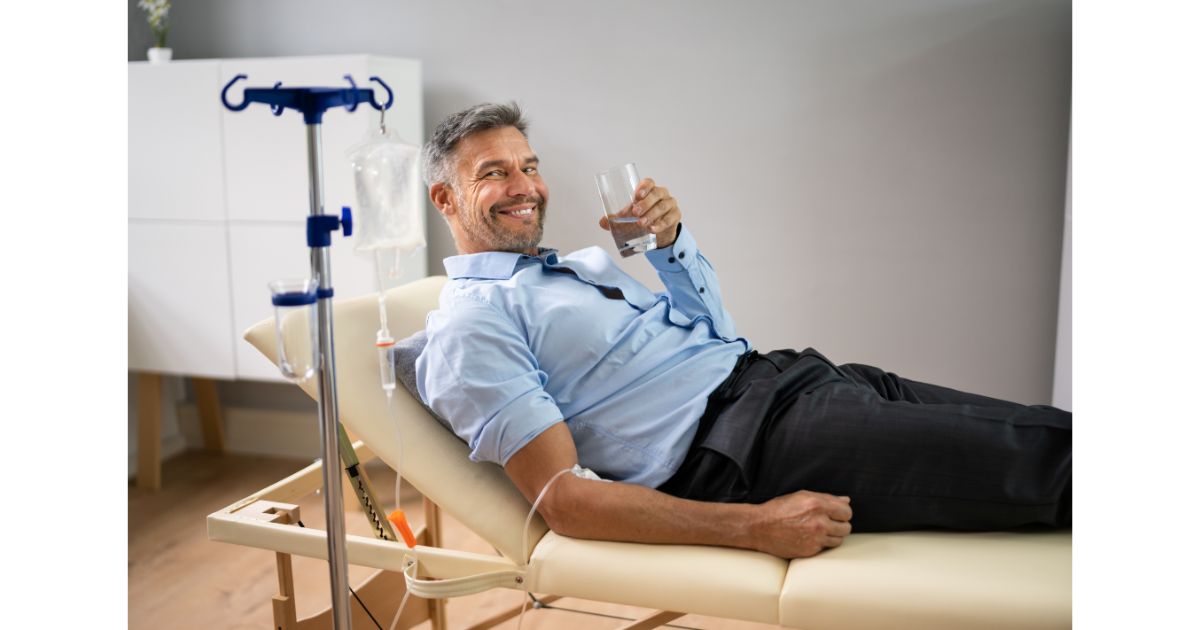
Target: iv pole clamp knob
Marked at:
321, 226
320, 229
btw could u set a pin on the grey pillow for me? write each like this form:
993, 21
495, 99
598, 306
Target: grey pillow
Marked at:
404, 355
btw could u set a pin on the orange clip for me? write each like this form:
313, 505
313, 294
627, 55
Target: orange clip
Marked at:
401, 524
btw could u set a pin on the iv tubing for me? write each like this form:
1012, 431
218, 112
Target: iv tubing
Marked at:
525, 535
387, 366
403, 601
529, 517
477, 583
402, 528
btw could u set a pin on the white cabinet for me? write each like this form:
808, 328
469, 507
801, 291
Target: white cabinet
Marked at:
175, 142
218, 202
179, 301
262, 252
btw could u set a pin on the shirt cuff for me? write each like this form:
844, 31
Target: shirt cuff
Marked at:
515, 427
680, 256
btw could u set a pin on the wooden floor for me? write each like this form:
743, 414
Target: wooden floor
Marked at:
179, 579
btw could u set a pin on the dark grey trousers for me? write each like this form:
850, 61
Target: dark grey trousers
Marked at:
910, 455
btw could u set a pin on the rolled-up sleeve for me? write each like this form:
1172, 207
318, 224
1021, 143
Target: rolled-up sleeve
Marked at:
478, 373
691, 282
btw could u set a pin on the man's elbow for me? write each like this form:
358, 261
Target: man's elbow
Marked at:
560, 509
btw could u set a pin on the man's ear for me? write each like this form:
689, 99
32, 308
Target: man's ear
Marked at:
440, 194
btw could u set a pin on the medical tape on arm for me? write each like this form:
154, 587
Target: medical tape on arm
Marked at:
578, 471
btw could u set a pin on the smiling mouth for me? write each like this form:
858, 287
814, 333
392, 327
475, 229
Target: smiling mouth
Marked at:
519, 213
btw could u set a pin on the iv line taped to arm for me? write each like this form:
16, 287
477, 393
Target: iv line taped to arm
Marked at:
469, 585
578, 471
472, 584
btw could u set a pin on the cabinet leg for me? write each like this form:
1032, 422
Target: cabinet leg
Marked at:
149, 419
208, 406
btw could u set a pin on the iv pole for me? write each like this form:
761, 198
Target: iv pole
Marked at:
313, 102
335, 531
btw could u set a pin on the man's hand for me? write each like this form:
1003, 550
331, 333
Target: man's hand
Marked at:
656, 210
801, 524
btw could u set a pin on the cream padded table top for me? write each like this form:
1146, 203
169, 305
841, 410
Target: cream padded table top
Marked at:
926, 580
922, 580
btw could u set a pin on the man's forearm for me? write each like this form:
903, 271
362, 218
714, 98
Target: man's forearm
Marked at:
584, 508
794, 525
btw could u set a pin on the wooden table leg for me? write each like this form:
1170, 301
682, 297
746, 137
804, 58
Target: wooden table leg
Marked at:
433, 530
283, 605
149, 419
653, 620
208, 406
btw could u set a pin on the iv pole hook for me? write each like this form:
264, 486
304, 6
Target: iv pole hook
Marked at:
375, 103
351, 94
245, 102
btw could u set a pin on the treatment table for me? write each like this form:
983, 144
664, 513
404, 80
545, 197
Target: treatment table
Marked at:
920, 580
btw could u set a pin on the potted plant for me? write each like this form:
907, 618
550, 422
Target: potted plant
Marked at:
156, 16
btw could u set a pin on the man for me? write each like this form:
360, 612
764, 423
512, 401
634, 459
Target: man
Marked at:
543, 362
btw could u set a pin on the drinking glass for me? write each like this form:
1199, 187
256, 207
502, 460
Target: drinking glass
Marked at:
617, 186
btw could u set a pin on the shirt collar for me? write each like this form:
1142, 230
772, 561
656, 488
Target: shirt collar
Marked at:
494, 265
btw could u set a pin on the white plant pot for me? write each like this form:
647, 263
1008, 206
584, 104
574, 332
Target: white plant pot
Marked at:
159, 55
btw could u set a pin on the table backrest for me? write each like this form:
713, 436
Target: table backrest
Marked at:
431, 458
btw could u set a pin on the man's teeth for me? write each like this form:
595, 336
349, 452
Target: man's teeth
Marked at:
522, 213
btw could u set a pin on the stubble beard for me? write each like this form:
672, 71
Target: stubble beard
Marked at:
489, 228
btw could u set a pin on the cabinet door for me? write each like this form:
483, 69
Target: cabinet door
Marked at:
261, 253
175, 142
179, 308
266, 166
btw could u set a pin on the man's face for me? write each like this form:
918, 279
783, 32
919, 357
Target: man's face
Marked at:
497, 200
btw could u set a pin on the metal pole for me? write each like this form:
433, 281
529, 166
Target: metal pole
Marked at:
335, 522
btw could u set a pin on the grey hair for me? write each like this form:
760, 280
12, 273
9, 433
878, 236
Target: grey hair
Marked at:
437, 154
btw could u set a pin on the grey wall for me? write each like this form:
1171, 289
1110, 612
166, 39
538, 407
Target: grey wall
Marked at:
1061, 397
881, 180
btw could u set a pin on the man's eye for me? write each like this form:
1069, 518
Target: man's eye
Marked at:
494, 173
531, 170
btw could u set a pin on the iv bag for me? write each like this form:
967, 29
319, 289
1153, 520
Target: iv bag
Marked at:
387, 182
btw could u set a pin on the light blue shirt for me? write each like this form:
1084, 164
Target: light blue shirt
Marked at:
517, 344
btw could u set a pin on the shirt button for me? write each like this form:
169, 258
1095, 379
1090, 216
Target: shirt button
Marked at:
682, 254
702, 289
671, 259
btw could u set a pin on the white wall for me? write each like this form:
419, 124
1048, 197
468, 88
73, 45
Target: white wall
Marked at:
881, 180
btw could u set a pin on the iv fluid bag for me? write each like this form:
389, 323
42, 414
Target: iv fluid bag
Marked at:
387, 182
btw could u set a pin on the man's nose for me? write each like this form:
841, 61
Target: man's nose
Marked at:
521, 185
